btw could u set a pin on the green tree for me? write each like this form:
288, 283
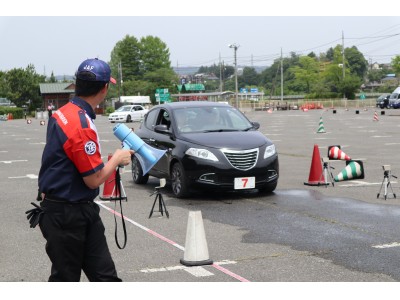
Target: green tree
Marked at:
4, 87
376, 75
396, 65
227, 70
52, 78
356, 62
154, 54
24, 86
306, 72
126, 53
330, 54
250, 77
144, 64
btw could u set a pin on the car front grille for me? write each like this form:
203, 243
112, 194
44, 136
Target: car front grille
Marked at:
242, 159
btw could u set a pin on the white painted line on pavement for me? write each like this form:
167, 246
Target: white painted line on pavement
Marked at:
215, 265
198, 272
195, 271
395, 244
11, 161
30, 176
356, 183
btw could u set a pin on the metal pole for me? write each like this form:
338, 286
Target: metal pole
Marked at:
281, 78
235, 47
344, 94
236, 80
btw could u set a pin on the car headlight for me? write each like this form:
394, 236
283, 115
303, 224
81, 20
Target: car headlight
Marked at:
201, 153
269, 151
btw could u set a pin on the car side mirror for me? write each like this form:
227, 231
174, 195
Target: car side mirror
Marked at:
161, 129
256, 125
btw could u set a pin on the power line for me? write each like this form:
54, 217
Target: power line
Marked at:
243, 60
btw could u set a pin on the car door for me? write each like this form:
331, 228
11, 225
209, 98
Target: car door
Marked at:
134, 114
161, 141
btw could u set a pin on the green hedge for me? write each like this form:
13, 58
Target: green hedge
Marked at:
18, 113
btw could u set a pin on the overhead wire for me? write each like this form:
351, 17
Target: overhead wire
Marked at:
247, 60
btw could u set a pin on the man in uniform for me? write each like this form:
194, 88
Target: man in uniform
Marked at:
71, 172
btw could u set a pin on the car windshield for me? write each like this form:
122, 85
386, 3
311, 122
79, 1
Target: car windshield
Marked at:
381, 97
124, 108
210, 119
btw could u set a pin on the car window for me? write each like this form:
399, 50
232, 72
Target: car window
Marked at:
120, 109
164, 118
203, 119
394, 96
150, 119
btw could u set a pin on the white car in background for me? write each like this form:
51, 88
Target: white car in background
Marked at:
128, 113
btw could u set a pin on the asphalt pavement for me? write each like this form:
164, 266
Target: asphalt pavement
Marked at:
300, 233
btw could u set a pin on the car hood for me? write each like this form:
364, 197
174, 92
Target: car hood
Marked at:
231, 140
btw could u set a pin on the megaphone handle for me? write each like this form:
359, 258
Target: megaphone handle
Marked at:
125, 146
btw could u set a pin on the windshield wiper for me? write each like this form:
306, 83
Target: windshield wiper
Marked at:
247, 129
220, 130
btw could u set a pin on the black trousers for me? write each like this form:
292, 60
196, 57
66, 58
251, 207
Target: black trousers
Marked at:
76, 241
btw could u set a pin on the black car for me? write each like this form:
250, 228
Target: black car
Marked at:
209, 145
383, 101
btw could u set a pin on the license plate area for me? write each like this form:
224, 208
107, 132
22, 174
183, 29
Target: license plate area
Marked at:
242, 183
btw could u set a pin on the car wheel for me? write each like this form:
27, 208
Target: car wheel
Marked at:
178, 181
128, 119
268, 188
137, 172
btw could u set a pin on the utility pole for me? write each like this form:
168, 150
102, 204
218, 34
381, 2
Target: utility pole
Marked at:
235, 47
281, 77
343, 67
220, 73
120, 80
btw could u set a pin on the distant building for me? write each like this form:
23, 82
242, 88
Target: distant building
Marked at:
56, 94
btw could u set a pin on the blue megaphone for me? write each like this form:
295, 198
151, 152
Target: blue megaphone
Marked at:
147, 155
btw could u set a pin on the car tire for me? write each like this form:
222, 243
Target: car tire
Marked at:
268, 188
178, 181
128, 119
137, 172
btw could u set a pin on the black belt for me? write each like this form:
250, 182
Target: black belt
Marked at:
65, 201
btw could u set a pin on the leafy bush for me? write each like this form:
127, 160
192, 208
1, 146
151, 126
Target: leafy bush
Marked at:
325, 95
109, 110
18, 113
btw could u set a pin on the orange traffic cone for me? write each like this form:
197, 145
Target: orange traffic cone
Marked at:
334, 152
109, 188
316, 176
376, 116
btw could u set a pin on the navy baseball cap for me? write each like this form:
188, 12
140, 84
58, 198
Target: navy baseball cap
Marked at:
95, 69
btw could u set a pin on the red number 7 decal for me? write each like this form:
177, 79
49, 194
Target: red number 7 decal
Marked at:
245, 181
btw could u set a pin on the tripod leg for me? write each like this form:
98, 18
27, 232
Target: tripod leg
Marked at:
326, 176
332, 179
163, 204
160, 204
383, 181
386, 186
391, 188
152, 208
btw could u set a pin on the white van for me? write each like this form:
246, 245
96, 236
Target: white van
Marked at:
394, 99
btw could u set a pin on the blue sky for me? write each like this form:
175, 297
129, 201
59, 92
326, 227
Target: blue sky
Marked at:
196, 33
